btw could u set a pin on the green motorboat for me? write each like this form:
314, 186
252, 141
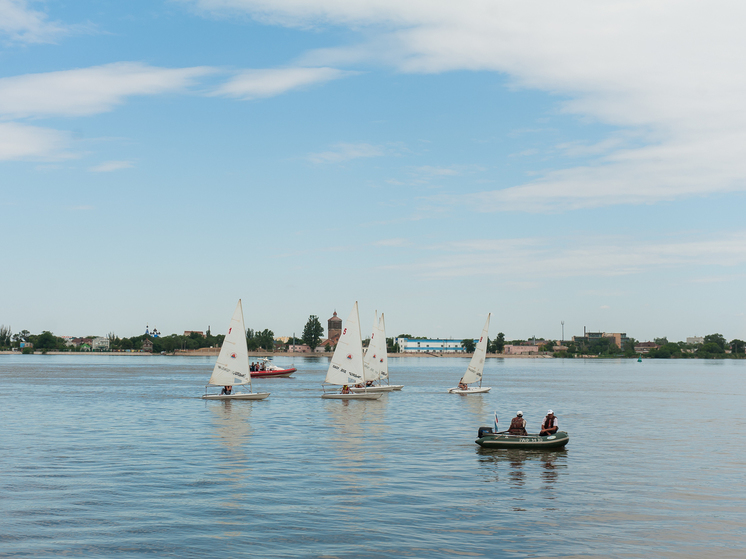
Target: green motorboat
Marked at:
488, 439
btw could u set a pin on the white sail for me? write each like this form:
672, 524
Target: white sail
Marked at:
232, 367
476, 365
346, 366
376, 359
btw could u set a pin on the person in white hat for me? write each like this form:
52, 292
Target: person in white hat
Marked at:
549, 426
518, 424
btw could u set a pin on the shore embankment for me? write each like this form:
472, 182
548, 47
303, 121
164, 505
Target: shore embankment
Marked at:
214, 352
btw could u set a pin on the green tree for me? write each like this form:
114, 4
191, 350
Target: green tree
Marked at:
736, 346
718, 339
6, 334
46, 341
629, 347
391, 345
312, 332
468, 345
661, 341
710, 350
498, 344
266, 339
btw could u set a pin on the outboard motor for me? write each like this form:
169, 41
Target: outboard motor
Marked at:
484, 431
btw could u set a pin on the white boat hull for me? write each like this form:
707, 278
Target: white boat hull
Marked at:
475, 390
338, 396
384, 388
238, 396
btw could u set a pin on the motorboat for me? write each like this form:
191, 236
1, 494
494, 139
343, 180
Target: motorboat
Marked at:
486, 438
268, 370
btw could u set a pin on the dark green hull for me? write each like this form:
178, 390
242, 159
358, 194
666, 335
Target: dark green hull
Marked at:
503, 440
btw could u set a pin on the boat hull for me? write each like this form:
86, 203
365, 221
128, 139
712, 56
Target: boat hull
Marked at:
535, 441
384, 388
475, 390
277, 373
239, 396
365, 396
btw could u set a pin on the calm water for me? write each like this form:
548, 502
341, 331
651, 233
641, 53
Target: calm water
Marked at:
118, 457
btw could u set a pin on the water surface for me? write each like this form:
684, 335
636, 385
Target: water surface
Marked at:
116, 456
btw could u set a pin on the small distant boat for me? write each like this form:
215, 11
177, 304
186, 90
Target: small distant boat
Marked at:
271, 370
476, 367
375, 362
346, 366
487, 439
232, 366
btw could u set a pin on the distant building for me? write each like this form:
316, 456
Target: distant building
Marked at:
644, 347
423, 345
27, 345
147, 345
100, 344
334, 328
321, 348
620, 338
189, 332
299, 348
695, 340
521, 349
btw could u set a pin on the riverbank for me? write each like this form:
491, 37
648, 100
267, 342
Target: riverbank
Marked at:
214, 352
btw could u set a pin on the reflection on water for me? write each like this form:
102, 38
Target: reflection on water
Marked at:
232, 429
521, 465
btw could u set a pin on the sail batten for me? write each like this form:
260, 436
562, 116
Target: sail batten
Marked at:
346, 366
476, 365
232, 366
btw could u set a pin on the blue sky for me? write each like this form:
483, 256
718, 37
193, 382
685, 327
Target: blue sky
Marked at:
543, 161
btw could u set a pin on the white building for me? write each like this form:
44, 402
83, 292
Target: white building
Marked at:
695, 340
100, 344
421, 345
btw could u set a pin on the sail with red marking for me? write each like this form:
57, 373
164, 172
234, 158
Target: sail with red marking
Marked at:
232, 366
346, 366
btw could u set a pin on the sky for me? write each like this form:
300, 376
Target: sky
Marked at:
543, 161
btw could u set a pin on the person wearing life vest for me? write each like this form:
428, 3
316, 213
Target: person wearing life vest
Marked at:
518, 425
549, 426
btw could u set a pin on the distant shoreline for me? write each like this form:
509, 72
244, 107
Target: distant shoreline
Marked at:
214, 353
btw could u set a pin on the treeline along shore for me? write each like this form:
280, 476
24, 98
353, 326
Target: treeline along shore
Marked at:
264, 344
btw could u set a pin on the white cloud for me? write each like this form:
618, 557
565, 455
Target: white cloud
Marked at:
670, 71
345, 152
109, 166
87, 91
24, 142
531, 258
20, 23
253, 84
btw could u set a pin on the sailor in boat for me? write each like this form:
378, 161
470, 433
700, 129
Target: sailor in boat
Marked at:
226, 391
462, 385
345, 389
549, 426
518, 425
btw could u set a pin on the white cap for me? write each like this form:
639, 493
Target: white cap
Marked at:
550, 412
519, 412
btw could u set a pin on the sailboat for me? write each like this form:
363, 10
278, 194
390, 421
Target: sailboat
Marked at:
476, 366
232, 366
346, 367
375, 362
